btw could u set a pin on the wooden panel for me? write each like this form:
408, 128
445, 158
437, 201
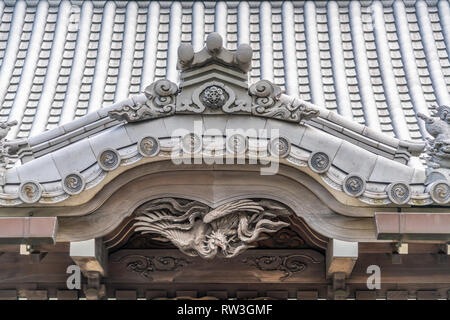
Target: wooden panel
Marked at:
36, 294
275, 273
397, 295
153, 294
255, 266
427, 295
415, 270
365, 295
16, 268
277, 294
218, 294
246, 294
187, 293
126, 295
387, 247
307, 295
67, 295
8, 294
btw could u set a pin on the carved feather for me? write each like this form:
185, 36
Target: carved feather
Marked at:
185, 239
231, 207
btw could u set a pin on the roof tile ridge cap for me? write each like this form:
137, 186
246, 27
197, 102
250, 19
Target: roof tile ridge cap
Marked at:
214, 52
363, 130
83, 121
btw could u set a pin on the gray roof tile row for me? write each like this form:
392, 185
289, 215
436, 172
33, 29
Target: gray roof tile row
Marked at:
377, 63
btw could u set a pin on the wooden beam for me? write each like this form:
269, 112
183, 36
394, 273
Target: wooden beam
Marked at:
307, 295
402, 248
67, 295
8, 294
341, 257
246, 294
28, 230
187, 293
412, 226
397, 295
427, 295
154, 294
365, 295
338, 291
126, 295
445, 249
217, 294
90, 256
278, 294
36, 294
94, 290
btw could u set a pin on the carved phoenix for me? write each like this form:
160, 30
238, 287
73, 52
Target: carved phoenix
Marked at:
199, 231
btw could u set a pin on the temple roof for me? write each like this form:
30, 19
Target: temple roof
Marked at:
375, 63
98, 73
75, 161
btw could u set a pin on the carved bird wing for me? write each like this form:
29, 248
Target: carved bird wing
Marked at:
164, 228
246, 205
188, 237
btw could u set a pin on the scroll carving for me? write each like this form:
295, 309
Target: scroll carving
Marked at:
198, 230
220, 91
289, 264
144, 265
284, 238
161, 101
266, 102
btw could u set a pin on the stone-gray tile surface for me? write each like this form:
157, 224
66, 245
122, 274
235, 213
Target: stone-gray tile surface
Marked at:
377, 63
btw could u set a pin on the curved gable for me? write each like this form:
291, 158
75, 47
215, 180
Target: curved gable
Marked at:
205, 121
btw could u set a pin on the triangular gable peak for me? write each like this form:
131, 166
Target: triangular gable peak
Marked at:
214, 81
358, 166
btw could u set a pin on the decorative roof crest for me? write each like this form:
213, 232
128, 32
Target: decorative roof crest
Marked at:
214, 81
438, 149
161, 99
214, 51
4, 148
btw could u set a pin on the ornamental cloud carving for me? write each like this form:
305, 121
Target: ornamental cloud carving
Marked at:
160, 102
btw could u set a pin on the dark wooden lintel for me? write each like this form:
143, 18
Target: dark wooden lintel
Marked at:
412, 226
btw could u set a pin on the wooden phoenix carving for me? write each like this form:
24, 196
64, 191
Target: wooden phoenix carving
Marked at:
199, 231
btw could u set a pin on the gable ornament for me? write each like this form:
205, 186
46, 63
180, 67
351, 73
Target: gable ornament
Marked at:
161, 98
4, 148
438, 147
198, 230
266, 102
214, 81
438, 153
